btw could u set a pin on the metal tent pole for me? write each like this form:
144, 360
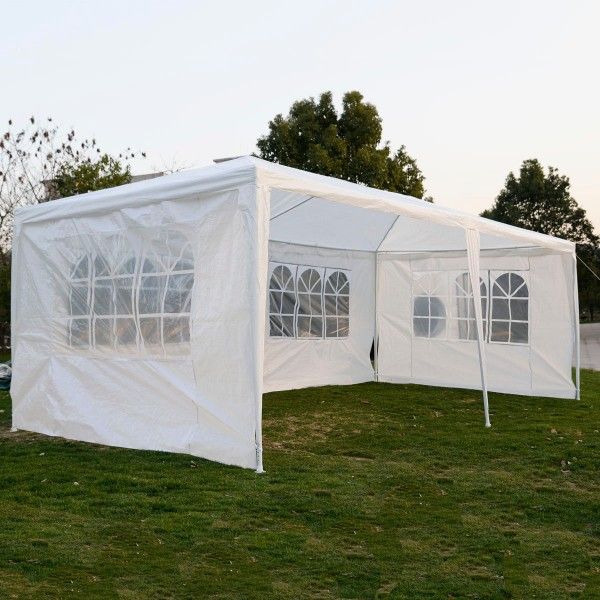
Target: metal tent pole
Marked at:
577, 333
473, 247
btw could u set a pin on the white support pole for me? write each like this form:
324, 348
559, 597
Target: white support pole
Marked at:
577, 334
259, 281
473, 246
376, 332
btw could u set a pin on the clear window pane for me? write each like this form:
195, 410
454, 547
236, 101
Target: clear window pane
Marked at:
421, 326
124, 295
436, 327
79, 299
303, 326
421, 307
81, 269
178, 296
500, 331
176, 330
500, 308
343, 327
126, 332
152, 288
103, 297
275, 326
519, 333
104, 333
436, 307
343, 306
519, 309
80, 332
150, 330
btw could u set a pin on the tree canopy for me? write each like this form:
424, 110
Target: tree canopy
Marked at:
40, 161
315, 138
89, 175
542, 202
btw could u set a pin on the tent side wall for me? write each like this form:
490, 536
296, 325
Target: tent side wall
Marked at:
327, 359
438, 347
142, 325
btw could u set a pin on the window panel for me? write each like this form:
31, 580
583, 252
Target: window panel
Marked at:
178, 294
104, 332
282, 301
500, 331
150, 330
151, 292
79, 330
421, 307
500, 308
465, 306
124, 293
104, 297
421, 326
519, 333
519, 309
309, 321
510, 309
79, 299
81, 269
126, 331
176, 330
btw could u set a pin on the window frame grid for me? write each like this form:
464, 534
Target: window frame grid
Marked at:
280, 315
296, 270
494, 275
335, 295
447, 295
92, 317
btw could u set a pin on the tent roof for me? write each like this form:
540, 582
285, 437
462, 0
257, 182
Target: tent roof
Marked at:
314, 209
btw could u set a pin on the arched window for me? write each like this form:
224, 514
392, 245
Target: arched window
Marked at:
510, 309
336, 298
309, 321
465, 307
282, 301
125, 298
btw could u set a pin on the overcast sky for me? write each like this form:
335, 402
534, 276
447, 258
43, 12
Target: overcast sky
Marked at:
471, 88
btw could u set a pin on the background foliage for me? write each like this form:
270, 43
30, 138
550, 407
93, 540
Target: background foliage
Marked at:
542, 201
39, 162
315, 138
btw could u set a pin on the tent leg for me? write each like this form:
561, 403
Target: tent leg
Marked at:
376, 333
577, 334
473, 246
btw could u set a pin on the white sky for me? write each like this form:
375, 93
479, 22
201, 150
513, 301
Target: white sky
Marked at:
471, 88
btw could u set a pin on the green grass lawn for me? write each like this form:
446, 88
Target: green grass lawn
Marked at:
371, 491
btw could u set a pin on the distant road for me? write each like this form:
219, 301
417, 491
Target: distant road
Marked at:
590, 346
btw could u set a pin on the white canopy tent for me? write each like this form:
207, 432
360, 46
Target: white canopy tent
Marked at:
155, 314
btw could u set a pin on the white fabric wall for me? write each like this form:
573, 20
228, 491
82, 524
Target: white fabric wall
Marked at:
297, 363
201, 397
542, 367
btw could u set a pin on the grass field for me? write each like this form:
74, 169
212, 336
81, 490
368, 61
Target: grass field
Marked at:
371, 491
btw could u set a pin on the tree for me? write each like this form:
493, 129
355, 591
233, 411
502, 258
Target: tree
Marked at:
38, 162
315, 138
33, 156
90, 175
542, 202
